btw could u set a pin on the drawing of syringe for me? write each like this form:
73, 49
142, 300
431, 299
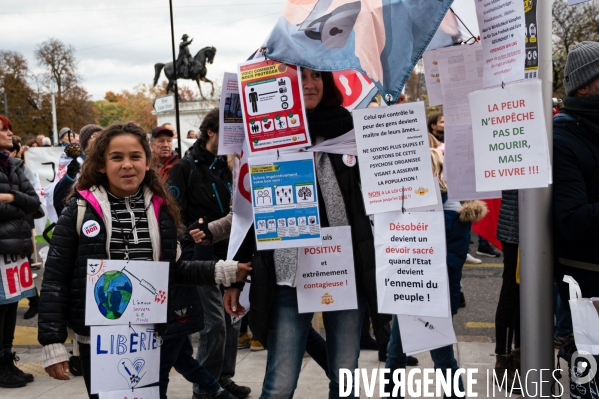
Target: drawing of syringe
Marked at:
429, 325
143, 283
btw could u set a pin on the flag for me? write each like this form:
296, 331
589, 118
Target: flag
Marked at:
382, 38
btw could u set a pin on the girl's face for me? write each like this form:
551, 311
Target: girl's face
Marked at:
125, 165
5, 137
313, 88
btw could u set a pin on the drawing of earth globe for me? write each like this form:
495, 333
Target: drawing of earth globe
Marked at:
113, 293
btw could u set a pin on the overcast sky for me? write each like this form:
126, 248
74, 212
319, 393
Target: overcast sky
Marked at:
118, 42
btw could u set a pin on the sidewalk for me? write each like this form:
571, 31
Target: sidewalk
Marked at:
250, 371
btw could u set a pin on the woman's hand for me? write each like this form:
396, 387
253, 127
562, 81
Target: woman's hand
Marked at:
58, 370
198, 235
7, 198
231, 301
243, 270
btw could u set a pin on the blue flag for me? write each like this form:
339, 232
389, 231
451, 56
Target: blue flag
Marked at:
381, 38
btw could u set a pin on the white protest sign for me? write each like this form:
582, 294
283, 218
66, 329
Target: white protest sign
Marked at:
122, 292
510, 144
326, 279
231, 134
503, 37
15, 273
138, 393
411, 272
243, 216
432, 77
459, 165
461, 72
123, 357
421, 333
395, 163
45, 162
285, 201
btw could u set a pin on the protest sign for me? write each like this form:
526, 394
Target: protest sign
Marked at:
411, 272
45, 162
243, 216
503, 32
273, 105
459, 165
510, 142
138, 393
285, 201
117, 291
531, 69
326, 279
123, 357
421, 333
355, 87
231, 134
395, 164
460, 69
15, 273
432, 77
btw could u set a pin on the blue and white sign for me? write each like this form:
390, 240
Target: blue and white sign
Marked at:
285, 201
123, 357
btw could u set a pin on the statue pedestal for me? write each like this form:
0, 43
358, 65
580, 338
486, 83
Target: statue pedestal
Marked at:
191, 115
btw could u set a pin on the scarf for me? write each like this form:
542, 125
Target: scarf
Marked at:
585, 109
329, 122
4, 157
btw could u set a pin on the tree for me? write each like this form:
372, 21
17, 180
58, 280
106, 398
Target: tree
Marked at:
58, 60
23, 105
571, 25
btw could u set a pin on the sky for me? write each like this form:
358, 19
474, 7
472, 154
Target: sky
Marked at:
117, 43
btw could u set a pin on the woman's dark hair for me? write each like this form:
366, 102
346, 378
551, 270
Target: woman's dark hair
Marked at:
331, 95
210, 122
95, 160
16, 146
432, 120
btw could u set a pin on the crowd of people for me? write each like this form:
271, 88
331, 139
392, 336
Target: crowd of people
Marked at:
155, 204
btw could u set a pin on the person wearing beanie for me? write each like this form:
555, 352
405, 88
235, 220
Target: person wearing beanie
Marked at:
87, 135
576, 173
66, 137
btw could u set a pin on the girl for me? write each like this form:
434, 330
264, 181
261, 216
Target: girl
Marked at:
458, 220
138, 221
18, 201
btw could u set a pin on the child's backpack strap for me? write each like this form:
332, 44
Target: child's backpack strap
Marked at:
81, 205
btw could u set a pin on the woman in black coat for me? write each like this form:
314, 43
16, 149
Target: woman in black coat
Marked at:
18, 201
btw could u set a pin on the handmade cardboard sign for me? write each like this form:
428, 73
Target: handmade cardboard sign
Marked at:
285, 201
123, 357
509, 134
411, 271
326, 279
123, 292
273, 105
394, 157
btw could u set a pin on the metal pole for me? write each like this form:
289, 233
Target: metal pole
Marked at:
536, 256
54, 127
5, 104
170, 2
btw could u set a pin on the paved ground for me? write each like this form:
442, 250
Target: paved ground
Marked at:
474, 327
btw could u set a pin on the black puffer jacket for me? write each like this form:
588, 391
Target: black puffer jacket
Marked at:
508, 226
62, 298
15, 232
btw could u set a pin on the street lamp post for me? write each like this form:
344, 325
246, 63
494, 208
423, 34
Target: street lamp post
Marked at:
5, 102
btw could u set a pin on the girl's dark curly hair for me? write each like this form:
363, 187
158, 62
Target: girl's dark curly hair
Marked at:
95, 160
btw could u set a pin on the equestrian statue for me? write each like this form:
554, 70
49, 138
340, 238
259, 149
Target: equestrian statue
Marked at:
187, 67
